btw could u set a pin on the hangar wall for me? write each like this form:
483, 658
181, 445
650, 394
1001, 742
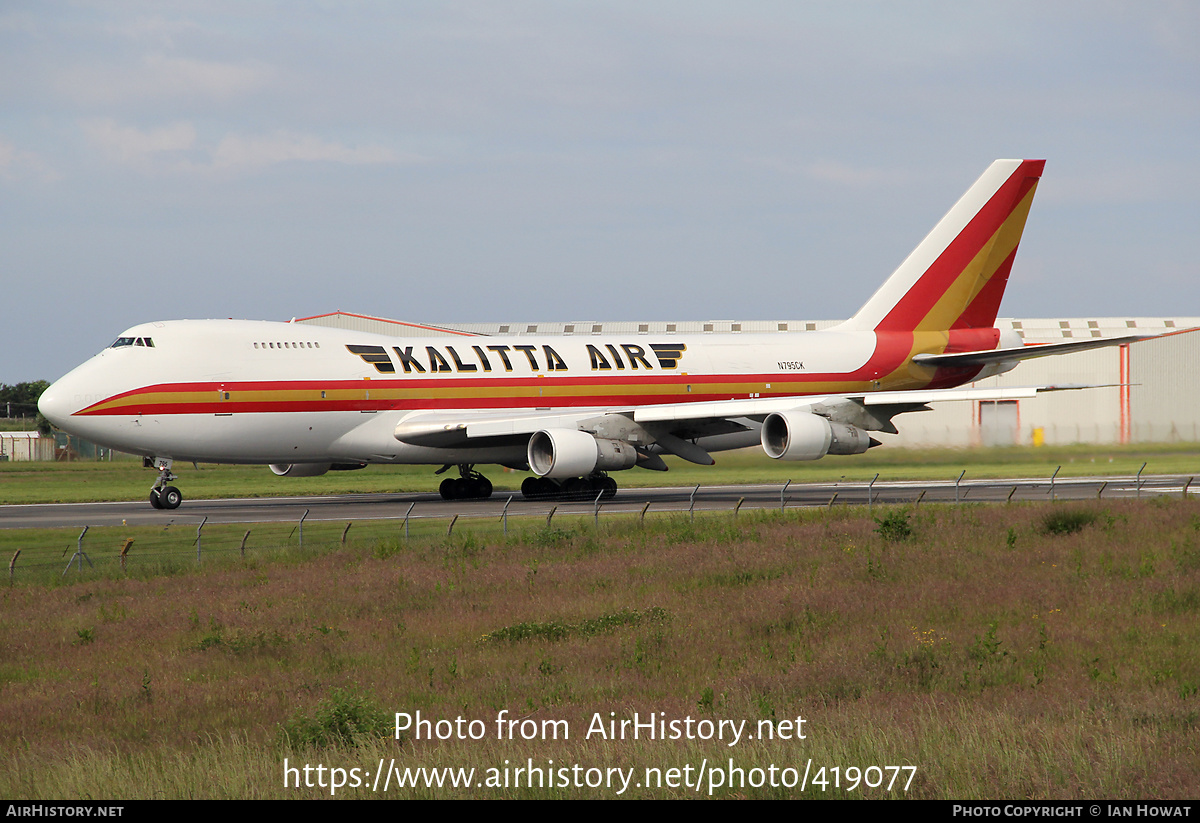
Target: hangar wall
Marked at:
1163, 399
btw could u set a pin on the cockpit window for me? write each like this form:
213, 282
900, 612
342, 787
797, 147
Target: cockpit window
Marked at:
122, 341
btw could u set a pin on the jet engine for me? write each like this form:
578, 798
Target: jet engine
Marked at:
300, 469
800, 435
562, 453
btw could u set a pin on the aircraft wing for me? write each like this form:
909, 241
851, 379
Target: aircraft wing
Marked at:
761, 407
669, 426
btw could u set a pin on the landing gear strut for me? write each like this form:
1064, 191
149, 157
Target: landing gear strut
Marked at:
573, 488
469, 485
162, 495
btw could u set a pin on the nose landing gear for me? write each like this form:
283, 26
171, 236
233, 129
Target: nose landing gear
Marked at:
162, 494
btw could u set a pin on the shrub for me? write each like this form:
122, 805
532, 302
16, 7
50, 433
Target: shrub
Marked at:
346, 718
894, 526
1067, 521
557, 630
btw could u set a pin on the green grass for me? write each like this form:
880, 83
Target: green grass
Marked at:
999, 659
127, 480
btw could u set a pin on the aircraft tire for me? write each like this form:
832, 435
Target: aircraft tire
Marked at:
539, 488
450, 489
480, 487
154, 501
170, 497
576, 488
610, 488
536, 488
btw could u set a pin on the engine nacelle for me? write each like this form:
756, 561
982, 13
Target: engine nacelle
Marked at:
300, 469
563, 453
799, 435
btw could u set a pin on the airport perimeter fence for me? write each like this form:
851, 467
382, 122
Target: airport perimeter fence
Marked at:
63, 554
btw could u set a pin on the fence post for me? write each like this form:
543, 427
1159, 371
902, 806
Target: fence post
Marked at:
1010, 494
871, 490
781, 493
346, 531
1056, 471
1103, 486
80, 554
406, 514
1185, 486
1139, 481
301, 527
692, 503
245, 537
504, 514
450, 528
956, 482
125, 551
738, 507
596, 511
642, 517
198, 528
12, 565
553, 509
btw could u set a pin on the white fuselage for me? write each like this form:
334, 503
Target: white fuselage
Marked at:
262, 392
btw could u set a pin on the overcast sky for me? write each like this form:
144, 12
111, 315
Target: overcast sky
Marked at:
526, 161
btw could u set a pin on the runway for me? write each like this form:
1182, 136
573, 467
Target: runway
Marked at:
352, 507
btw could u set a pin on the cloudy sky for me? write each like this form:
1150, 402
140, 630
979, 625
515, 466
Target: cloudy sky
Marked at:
525, 161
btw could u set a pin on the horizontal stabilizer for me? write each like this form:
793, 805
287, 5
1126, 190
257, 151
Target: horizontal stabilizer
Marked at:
965, 359
984, 358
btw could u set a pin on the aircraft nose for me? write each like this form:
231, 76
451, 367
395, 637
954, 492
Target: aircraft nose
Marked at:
55, 404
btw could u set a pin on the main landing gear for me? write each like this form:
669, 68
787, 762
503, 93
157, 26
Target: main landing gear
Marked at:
469, 485
162, 495
573, 488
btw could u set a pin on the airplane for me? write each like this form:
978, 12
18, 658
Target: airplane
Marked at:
570, 409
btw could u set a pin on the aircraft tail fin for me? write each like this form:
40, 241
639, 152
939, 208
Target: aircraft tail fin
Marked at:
955, 278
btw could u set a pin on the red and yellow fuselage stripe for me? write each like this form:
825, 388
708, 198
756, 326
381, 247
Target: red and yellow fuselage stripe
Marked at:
889, 367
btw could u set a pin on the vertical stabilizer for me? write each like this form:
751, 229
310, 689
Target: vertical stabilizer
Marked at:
955, 278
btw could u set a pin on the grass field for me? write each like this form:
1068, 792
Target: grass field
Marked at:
127, 480
1022, 651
